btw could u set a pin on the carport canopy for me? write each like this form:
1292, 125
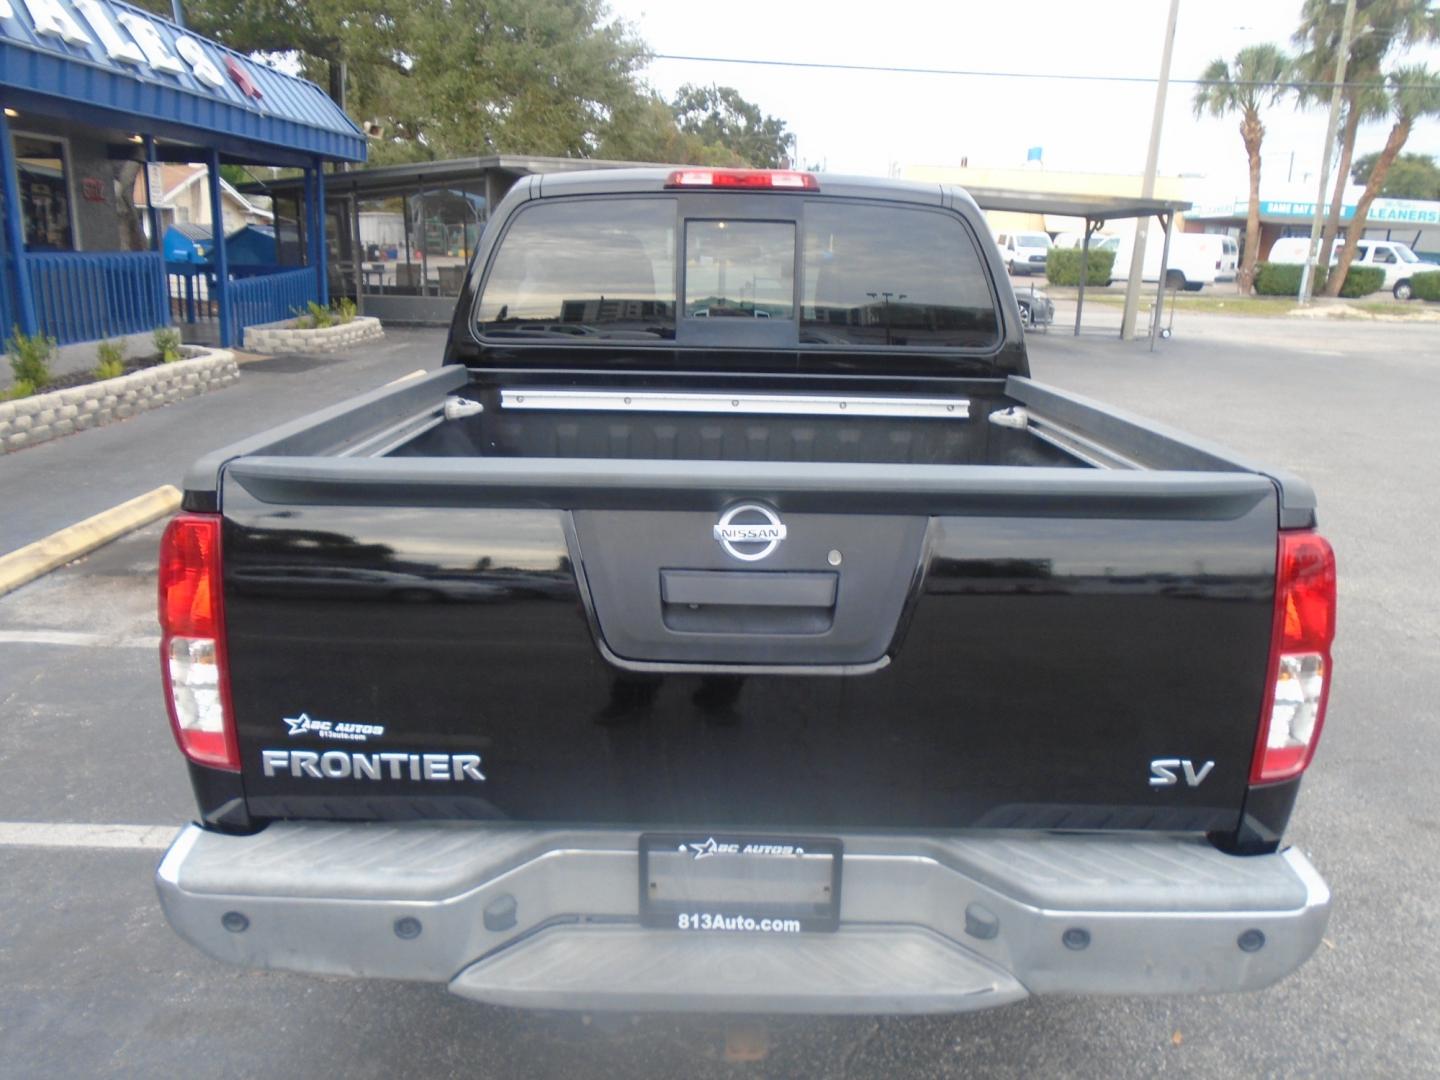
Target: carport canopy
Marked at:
1095, 210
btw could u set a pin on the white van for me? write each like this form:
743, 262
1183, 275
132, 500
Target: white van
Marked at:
1391, 256
1024, 252
1196, 259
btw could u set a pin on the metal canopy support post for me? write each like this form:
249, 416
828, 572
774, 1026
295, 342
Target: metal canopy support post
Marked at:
307, 193
150, 193
15, 234
1091, 225
1166, 221
221, 261
356, 251
322, 284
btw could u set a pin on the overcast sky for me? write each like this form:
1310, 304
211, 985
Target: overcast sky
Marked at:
872, 123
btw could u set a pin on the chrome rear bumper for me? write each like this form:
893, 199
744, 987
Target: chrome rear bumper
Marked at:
548, 918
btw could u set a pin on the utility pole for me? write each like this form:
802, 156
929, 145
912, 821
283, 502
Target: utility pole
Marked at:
1311, 252
1147, 186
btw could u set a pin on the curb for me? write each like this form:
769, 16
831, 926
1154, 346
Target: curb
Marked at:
34, 560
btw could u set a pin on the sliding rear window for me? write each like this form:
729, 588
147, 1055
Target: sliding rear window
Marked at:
891, 276
582, 270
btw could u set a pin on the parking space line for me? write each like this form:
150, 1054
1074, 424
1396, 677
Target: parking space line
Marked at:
26, 564
73, 637
54, 834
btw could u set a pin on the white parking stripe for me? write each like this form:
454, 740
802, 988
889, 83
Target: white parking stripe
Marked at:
74, 637
50, 834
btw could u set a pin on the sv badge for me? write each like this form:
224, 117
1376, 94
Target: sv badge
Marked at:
1163, 772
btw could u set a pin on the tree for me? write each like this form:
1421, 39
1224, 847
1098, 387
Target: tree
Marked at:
1256, 79
1381, 27
453, 78
645, 130
719, 116
354, 48
1414, 93
704, 126
1413, 176
514, 76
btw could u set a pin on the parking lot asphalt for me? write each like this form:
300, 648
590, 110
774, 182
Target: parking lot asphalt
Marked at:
93, 983
104, 466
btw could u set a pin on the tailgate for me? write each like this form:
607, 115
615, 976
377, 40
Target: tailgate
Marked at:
915, 646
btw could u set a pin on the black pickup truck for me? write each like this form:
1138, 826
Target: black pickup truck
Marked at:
731, 623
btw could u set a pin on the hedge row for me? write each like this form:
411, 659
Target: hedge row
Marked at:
1283, 279
1062, 267
1426, 285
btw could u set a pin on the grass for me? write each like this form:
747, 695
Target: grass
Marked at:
1265, 306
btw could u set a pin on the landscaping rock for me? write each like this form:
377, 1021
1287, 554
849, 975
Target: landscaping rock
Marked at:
61, 412
284, 337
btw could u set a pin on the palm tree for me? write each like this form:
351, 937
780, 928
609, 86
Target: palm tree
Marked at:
1380, 27
1258, 77
1414, 93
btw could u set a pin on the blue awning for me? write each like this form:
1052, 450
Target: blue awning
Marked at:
107, 63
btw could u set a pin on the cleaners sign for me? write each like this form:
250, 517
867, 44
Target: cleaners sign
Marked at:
128, 39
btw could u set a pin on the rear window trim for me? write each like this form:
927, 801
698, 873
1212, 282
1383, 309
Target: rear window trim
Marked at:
703, 213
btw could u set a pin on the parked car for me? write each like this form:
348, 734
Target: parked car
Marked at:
1036, 307
1024, 252
1396, 259
861, 672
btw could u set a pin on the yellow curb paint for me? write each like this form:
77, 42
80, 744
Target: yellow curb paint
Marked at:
406, 378
33, 560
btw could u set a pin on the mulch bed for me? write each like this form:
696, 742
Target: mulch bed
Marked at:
81, 378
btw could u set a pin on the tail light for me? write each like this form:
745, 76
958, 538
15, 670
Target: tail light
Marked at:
192, 642
1299, 683
772, 179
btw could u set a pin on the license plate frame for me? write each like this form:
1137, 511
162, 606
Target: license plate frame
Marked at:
740, 860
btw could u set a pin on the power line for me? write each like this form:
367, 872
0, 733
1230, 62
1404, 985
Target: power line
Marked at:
1298, 84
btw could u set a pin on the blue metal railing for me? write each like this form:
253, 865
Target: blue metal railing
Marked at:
86, 296
190, 290
265, 298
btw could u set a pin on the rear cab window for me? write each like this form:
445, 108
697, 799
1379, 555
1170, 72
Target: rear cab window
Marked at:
791, 271
584, 268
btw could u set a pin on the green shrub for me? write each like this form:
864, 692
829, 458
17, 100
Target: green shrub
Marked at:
1426, 285
20, 388
1283, 279
1062, 267
111, 355
167, 344
30, 358
344, 310
1362, 281
320, 317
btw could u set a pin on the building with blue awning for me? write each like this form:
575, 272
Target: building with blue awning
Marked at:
95, 92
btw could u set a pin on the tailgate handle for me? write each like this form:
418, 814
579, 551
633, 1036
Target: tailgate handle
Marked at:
733, 588
740, 602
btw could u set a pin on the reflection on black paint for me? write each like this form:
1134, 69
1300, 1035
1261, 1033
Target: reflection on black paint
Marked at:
293, 562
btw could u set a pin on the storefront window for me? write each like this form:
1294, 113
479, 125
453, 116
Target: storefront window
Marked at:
450, 224
289, 230
384, 253
44, 193
419, 244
